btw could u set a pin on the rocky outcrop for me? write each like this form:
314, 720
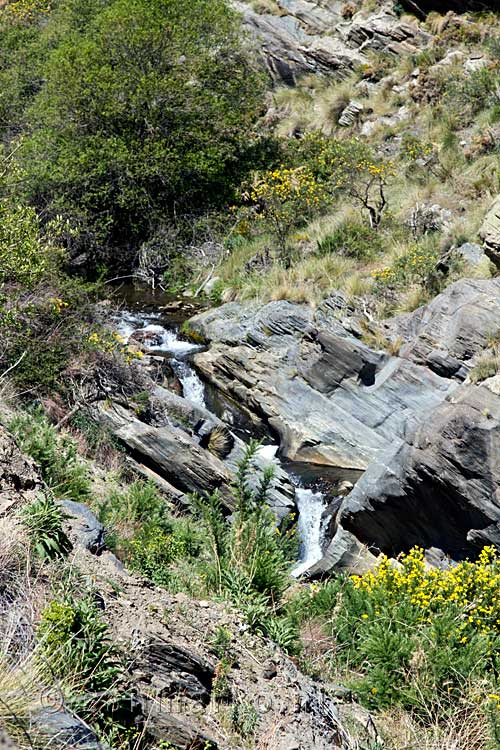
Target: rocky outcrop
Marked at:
19, 479
298, 37
175, 450
331, 399
438, 487
174, 666
452, 329
422, 7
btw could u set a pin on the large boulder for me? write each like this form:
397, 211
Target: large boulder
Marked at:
438, 487
329, 398
176, 450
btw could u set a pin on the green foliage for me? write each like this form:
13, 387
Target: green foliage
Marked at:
415, 266
76, 645
244, 718
55, 454
353, 240
145, 106
43, 519
467, 95
348, 167
146, 535
413, 637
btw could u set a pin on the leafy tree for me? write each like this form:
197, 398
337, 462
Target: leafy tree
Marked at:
145, 112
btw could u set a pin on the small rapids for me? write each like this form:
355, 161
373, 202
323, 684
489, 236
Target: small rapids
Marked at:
165, 341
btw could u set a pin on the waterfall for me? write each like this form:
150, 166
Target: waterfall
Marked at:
311, 506
192, 387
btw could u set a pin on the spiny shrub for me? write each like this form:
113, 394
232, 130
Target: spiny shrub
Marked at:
353, 240
55, 454
415, 637
43, 520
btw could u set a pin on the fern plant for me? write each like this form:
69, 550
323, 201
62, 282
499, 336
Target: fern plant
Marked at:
43, 520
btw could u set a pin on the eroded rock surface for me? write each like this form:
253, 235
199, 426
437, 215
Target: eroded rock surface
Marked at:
330, 398
298, 37
438, 487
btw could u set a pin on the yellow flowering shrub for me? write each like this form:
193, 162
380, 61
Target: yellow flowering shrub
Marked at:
284, 198
109, 343
415, 266
415, 636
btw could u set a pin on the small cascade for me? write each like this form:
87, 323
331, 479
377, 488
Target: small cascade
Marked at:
192, 387
311, 506
158, 339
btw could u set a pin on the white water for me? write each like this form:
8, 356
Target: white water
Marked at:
310, 506
192, 387
167, 342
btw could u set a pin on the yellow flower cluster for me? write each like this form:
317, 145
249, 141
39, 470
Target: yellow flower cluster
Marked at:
283, 185
471, 589
25, 11
58, 304
113, 343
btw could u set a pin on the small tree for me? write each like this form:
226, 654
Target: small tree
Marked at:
351, 167
284, 198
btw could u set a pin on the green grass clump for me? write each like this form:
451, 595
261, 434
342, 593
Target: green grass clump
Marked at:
43, 520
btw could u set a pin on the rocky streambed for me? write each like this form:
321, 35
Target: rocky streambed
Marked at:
423, 441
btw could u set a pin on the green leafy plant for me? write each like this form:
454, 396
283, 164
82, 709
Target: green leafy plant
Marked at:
43, 519
352, 239
56, 455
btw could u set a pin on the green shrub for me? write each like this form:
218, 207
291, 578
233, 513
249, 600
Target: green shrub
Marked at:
43, 520
416, 266
55, 454
146, 109
413, 637
76, 645
353, 240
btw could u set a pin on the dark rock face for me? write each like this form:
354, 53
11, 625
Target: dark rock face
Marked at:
422, 7
440, 487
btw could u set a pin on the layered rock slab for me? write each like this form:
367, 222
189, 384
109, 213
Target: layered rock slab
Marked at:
331, 399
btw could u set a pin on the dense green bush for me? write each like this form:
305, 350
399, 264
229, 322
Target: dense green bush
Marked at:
422, 639
143, 108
